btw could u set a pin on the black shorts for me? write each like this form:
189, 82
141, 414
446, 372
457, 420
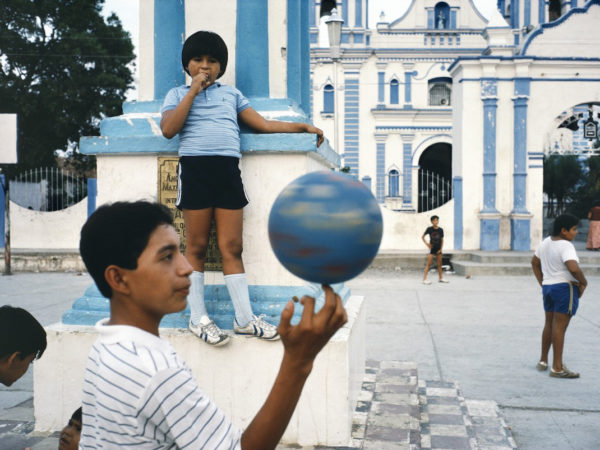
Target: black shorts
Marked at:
434, 249
209, 182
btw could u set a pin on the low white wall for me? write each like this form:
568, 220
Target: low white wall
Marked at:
237, 384
403, 230
47, 229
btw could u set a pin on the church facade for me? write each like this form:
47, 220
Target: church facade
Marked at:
443, 111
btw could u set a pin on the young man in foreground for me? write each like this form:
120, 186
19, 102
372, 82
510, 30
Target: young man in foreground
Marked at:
136, 390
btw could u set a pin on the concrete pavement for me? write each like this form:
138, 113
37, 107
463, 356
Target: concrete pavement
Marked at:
482, 333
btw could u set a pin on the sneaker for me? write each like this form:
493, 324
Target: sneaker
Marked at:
257, 327
541, 366
426, 282
564, 373
443, 280
210, 333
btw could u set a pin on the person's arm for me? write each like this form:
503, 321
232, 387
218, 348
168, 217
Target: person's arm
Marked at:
258, 123
423, 239
301, 344
441, 245
577, 273
172, 121
536, 265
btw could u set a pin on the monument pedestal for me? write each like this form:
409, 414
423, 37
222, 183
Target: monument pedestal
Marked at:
237, 377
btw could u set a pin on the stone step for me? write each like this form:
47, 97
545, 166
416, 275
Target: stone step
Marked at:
522, 268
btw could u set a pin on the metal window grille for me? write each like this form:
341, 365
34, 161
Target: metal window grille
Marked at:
394, 92
47, 189
393, 183
439, 94
434, 190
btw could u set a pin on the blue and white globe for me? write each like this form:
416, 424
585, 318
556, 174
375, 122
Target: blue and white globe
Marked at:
325, 227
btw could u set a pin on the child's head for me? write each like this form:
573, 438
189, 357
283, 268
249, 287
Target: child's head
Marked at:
434, 219
565, 222
117, 234
22, 339
204, 43
70, 434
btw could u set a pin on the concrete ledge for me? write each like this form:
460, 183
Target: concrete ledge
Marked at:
237, 377
47, 260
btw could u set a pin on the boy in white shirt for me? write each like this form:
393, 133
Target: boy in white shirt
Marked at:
556, 267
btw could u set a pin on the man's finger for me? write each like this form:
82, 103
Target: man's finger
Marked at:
286, 317
309, 309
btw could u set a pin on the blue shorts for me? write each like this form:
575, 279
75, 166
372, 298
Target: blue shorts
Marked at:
561, 298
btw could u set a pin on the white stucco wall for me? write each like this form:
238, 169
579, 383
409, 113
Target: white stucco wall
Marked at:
47, 229
146, 51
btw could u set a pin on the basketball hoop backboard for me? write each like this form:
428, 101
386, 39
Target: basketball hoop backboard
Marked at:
8, 138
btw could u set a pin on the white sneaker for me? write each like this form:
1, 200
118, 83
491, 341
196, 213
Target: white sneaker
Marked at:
257, 327
443, 280
210, 333
426, 282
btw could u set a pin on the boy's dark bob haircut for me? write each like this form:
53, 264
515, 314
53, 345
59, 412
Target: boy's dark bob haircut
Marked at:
76, 415
566, 221
20, 332
118, 234
432, 218
204, 43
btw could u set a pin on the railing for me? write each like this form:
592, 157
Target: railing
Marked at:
47, 189
434, 190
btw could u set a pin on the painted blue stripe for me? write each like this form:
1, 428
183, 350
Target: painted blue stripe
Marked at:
169, 24
407, 171
293, 51
457, 193
252, 48
92, 193
2, 210
305, 78
358, 14
489, 146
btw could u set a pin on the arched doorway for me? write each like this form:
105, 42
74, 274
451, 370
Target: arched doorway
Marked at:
435, 176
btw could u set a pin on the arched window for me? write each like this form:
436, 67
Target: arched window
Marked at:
442, 15
440, 90
393, 183
394, 92
328, 99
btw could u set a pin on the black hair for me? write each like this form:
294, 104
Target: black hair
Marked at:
566, 221
76, 415
118, 234
204, 43
433, 217
20, 332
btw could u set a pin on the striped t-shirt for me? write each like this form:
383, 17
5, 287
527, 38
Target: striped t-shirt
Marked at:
137, 393
211, 127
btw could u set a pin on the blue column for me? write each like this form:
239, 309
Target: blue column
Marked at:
380, 169
92, 192
527, 13
380, 86
407, 140
520, 216
305, 83
351, 121
169, 33
294, 57
2, 210
408, 88
514, 17
312, 14
252, 48
457, 193
344, 5
358, 13
489, 215
541, 11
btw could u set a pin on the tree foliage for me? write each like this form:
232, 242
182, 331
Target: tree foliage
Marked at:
588, 193
63, 67
562, 175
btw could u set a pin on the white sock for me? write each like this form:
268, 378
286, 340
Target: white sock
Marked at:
196, 298
237, 285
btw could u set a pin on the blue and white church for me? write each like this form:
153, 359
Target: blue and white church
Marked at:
444, 111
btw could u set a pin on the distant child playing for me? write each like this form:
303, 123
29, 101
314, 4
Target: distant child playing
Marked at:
22, 339
435, 245
205, 115
556, 267
137, 392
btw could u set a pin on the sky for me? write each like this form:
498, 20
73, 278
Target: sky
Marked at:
127, 10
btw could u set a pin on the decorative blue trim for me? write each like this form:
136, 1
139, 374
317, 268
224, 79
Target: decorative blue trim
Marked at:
2, 211
268, 300
169, 29
358, 14
527, 13
294, 62
557, 22
407, 88
401, 18
430, 23
489, 90
305, 78
351, 124
520, 234
92, 193
407, 175
410, 127
520, 146
457, 194
452, 19
344, 5
252, 48
380, 172
566, 80
541, 11
430, 138
312, 14
489, 237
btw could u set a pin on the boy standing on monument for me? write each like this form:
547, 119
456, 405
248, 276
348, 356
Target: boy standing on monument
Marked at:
205, 115
556, 267
136, 390
435, 245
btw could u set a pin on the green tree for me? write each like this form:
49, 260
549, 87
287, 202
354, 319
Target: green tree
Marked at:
63, 67
588, 193
562, 174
